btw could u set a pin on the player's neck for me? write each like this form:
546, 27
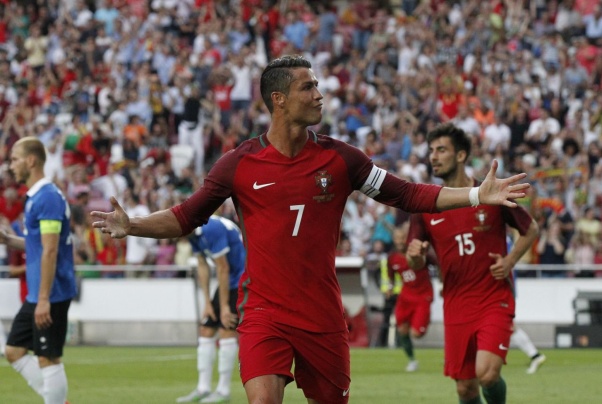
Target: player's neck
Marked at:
459, 180
288, 140
33, 178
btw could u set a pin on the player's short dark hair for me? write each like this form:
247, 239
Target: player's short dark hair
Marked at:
460, 140
277, 76
32, 146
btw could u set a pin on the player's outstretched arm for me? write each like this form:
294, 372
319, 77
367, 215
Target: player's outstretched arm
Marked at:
161, 224
493, 191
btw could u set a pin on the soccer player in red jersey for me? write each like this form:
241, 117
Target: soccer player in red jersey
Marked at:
289, 186
413, 307
478, 289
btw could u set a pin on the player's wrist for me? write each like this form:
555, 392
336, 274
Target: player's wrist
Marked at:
473, 196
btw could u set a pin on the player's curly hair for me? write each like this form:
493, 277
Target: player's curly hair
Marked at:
458, 137
277, 76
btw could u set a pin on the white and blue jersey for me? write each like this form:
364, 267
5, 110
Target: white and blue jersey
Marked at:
46, 202
219, 237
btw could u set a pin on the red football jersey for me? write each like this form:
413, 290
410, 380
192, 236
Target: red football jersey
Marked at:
416, 283
290, 212
462, 240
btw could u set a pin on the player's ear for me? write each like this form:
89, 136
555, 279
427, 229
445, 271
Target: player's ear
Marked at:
461, 156
278, 99
31, 160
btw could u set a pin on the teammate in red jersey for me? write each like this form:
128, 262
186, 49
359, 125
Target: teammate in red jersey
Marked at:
478, 299
289, 187
413, 307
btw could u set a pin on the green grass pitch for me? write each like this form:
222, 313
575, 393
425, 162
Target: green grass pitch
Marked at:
116, 375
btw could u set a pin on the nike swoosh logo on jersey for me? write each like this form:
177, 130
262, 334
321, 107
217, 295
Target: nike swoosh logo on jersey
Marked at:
502, 347
259, 186
436, 221
345, 392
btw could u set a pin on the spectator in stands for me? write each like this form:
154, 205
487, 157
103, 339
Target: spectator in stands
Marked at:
465, 121
551, 248
243, 78
593, 25
139, 251
590, 224
497, 135
581, 251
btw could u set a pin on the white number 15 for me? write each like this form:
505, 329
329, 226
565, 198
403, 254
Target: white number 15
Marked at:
465, 244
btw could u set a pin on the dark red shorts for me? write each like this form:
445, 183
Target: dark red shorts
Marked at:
490, 333
321, 361
415, 312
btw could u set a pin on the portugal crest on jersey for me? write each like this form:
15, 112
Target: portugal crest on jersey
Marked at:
323, 181
481, 217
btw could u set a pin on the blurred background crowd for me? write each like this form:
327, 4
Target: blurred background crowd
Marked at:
138, 98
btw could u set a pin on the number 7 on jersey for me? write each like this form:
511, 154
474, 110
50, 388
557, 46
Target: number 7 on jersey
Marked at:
299, 209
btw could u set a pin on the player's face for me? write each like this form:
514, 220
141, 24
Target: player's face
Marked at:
443, 158
304, 100
399, 238
18, 164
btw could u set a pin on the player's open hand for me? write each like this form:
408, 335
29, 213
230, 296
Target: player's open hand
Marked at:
116, 223
502, 191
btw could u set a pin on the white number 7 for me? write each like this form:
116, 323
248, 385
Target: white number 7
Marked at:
299, 209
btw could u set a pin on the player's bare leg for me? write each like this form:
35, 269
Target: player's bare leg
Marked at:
468, 391
488, 369
268, 389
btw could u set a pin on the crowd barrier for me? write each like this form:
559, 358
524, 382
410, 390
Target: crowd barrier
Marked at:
139, 309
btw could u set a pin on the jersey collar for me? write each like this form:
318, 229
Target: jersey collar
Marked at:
263, 138
36, 187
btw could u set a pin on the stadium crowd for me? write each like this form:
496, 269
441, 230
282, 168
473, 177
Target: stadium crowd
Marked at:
138, 99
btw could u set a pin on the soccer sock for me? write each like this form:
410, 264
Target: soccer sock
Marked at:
228, 349
496, 394
205, 358
408, 347
55, 384
28, 367
523, 342
476, 400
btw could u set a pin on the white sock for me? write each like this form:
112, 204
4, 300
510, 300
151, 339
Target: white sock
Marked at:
523, 342
55, 384
205, 358
28, 367
228, 349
